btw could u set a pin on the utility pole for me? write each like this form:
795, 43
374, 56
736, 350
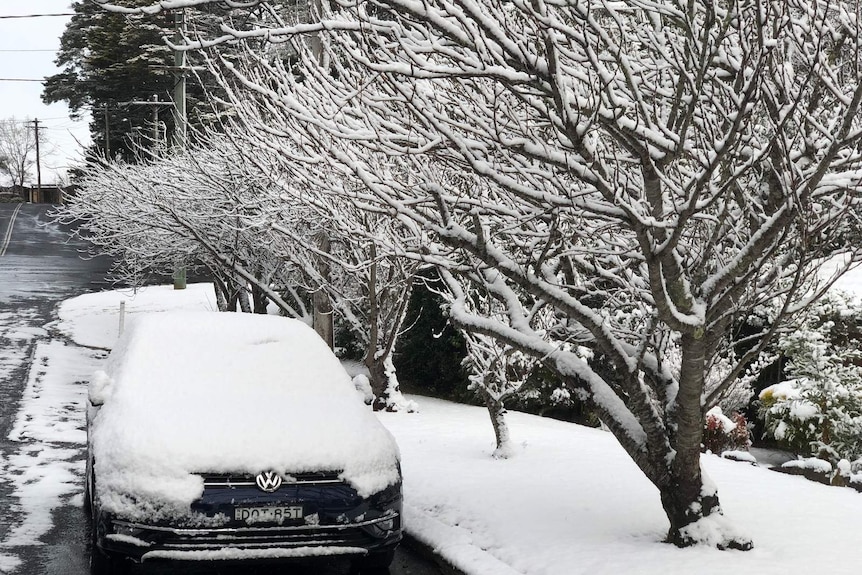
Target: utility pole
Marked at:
155, 103
180, 120
107, 134
38, 161
322, 316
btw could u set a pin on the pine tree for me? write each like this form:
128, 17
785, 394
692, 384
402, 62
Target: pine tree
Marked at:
110, 60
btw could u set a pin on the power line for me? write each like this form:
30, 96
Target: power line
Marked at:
22, 80
29, 50
10, 16
16, 120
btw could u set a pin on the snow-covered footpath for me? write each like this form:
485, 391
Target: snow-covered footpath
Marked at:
569, 502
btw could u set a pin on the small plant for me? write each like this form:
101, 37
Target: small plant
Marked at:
722, 433
817, 411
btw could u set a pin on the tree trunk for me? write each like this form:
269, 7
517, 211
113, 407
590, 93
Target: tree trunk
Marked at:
242, 297
377, 377
685, 504
259, 299
497, 411
685, 497
221, 293
322, 318
232, 301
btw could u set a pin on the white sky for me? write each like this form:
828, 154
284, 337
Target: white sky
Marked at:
23, 100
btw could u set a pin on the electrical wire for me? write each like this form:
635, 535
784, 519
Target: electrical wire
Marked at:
10, 16
40, 119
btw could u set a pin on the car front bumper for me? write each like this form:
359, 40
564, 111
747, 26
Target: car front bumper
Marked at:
141, 542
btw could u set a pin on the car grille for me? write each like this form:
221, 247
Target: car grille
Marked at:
221, 481
356, 536
349, 536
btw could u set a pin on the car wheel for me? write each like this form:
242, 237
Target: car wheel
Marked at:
102, 563
88, 496
376, 562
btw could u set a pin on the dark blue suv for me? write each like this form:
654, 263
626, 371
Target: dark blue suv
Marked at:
232, 437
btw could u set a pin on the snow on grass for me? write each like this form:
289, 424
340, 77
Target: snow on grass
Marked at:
569, 500
93, 320
572, 501
9, 563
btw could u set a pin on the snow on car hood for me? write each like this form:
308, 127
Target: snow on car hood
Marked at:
189, 393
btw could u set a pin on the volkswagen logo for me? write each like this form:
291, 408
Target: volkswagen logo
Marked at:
268, 481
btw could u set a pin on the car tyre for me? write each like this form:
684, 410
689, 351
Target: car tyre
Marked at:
88, 497
102, 563
375, 563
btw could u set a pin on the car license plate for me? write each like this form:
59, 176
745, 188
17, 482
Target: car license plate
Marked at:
272, 514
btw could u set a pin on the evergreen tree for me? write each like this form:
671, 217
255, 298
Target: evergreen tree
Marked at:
109, 61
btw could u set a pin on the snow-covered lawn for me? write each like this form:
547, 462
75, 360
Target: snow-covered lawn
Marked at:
570, 501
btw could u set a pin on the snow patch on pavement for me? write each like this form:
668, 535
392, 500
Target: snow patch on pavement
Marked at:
15, 338
8, 563
46, 469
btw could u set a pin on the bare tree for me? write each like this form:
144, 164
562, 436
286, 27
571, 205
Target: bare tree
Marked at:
645, 172
236, 211
197, 207
17, 150
497, 370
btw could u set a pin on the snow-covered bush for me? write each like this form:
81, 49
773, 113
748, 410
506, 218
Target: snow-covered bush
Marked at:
722, 433
817, 410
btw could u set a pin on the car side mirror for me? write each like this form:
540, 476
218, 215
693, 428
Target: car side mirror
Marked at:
100, 388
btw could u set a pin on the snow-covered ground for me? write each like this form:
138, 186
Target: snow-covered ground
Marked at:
570, 501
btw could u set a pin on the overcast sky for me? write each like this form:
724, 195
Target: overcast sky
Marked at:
19, 37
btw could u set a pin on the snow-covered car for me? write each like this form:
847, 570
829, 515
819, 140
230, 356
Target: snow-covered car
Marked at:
225, 436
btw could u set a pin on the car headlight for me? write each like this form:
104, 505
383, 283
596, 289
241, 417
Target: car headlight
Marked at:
383, 527
386, 525
127, 530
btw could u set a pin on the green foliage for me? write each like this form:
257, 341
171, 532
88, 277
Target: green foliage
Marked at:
430, 359
544, 394
109, 60
347, 345
817, 410
429, 355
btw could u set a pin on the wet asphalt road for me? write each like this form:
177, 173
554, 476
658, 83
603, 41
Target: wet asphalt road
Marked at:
39, 267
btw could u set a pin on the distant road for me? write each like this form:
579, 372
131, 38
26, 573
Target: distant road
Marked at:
38, 258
